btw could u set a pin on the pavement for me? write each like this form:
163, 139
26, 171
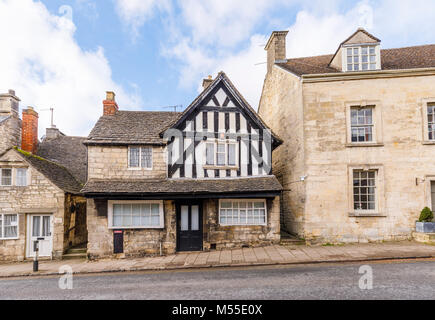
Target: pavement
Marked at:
262, 256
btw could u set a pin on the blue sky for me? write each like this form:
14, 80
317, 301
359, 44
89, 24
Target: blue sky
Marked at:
66, 53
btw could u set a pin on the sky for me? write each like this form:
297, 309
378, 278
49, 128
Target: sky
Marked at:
65, 54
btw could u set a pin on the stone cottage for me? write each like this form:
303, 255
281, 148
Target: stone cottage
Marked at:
357, 163
40, 184
162, 182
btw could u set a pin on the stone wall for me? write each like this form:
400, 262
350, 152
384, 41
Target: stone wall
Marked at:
112, 163
10, 133
40, 196
281, 108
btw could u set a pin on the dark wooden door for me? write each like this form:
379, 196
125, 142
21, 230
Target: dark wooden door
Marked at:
189, 226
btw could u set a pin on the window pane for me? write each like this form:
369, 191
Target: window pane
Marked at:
349, 67
10, 226
226, 205
210, 153
126, 215
221, 147
364, 50
221, 159
21, 177
232, 154
134, 157
184, 218
372, 66
355, 51
195, 218
117, 215
145, 214
349, 51
46, 226
146, 157
372, 50
136, 214
36, 226
364, 190
6, 176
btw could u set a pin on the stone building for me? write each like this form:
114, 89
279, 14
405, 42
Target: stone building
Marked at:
357, 163
40, 186
161, 182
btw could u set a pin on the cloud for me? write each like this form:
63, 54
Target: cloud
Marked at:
47, 68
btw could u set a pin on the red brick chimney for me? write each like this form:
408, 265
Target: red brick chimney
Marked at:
29, 139
110, 105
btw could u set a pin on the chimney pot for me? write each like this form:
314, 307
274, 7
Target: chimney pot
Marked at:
110, 107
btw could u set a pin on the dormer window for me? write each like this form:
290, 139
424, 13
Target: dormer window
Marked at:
361, 58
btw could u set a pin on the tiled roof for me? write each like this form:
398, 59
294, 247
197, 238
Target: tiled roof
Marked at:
183, 186
131, 127
69, 152
391, 59
56, 173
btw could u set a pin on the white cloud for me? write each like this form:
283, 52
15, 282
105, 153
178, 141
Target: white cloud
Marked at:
41, 60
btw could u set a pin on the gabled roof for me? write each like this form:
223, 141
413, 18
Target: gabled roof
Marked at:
131, 127
69, 152
172, 187
54, 172
363, 31
222, 77
391, 59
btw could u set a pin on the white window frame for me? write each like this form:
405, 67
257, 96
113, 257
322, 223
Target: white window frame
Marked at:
1, 177
140, 158
26, 180
110, 204
2, 226
243, 200
360, 55
227, 142
426, 103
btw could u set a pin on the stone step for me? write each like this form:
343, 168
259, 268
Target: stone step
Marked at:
71, 256
291, 241
424, 237
77, 250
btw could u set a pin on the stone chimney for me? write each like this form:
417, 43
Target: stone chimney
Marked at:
9, 103
207, 82
53, 133
110, 105
275, 48
29, 140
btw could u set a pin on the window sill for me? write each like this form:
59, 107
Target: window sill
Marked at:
209, 167
243, 225
136, 228
428, 142
5, 239
140, 169
363, 144
362, 214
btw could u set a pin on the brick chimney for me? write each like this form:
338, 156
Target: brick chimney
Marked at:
29, 140
110, 105
275, 48
207, 82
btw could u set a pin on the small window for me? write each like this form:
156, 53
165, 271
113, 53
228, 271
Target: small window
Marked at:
210, 154
364, 190
8, 226
21, 177
361, 58
431, 122
6, 177
137, 215
140, 157
361, 124
221, 154
242, 212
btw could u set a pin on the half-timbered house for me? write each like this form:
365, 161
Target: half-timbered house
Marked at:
161, 182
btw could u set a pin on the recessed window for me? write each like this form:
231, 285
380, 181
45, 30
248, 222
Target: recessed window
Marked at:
140, 157
431, 121
6, 177
221, 153
21, 177
364, 190
361, 58
8, 226
136, 214
242, 212
361, 124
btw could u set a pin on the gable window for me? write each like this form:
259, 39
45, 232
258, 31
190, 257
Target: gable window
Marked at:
361, 124
5, 177
221, 153
361, 58
364, 190
431, 121
140, 157
136, 214
242, 212
21, 177
8, 226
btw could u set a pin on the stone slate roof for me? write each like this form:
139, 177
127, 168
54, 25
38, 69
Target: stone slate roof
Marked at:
69, 152
131, 127
183, 186
54, 172
391, 59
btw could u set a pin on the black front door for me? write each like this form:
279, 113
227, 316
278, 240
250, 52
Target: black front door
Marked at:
189, 226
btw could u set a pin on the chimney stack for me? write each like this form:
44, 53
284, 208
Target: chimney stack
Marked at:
53, 133
275, 48
9, 103
207, 82
110, 105
29, 140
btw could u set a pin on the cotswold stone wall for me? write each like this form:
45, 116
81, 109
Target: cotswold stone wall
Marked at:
40, 196
141, 242
10, 133
112, 163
